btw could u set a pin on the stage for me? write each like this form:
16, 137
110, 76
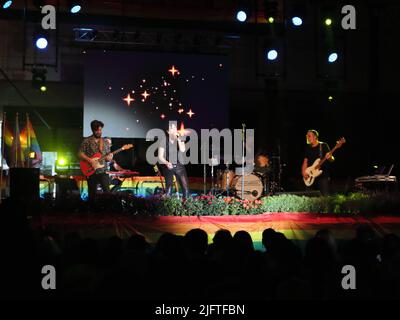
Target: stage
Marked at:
143, 186
298, 227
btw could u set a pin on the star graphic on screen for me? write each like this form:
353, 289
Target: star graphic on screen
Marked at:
128, 99
173, 71
145, 94
190, 113
182, 130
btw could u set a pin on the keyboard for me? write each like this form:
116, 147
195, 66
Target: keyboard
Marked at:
123, 173
376, 178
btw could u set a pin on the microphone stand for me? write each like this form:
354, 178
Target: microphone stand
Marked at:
278, 171
204, 178
204, 171
243, 135
212, 175
227, 179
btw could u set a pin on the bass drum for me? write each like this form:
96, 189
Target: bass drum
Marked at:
253, 186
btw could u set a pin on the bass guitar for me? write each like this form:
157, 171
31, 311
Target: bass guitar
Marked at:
314, 170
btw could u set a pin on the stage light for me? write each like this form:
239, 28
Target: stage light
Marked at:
241, 16
270, 10
62, 162
75, 6
6, 4
298, 12
272, 54
328, 22
297, 21
332, 57
39, 79
32, 155
330, 98
243, 10
41, 43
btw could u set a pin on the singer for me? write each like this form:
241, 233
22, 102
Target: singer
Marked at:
171, 165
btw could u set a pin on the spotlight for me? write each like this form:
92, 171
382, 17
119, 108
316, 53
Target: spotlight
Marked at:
297, 21
6, 4
298, 13
39, 79
62, 162
328, 21
272, 54
329, 13
330, 98
241, 16
41, 43
243, 10
75, 6
32, 155
332, 57
270, 10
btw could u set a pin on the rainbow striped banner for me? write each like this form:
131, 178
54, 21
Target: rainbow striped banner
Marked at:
298, 227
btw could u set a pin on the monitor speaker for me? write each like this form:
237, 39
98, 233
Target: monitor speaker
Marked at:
24, 184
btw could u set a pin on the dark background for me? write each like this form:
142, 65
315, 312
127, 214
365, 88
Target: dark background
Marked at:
279, 100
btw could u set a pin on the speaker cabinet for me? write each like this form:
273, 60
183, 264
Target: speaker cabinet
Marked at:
24, 184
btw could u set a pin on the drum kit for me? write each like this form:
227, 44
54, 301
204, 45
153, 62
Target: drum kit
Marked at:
247, 186
263, 180
254, 185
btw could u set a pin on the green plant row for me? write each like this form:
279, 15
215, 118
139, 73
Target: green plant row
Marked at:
207, 205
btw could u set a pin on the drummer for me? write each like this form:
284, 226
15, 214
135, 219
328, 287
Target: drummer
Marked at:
263, 168
262, 164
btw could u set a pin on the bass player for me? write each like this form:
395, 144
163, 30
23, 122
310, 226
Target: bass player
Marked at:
317, 150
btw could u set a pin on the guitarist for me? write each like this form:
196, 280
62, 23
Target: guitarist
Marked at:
90, 146
316, 149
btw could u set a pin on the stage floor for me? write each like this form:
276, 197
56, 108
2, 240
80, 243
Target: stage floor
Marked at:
298, 227
143, 186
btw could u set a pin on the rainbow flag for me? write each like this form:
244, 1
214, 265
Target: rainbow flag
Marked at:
30, 143
17, 158
8, 139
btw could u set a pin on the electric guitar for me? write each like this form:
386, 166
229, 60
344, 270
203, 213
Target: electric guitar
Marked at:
314, 170
88, 169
